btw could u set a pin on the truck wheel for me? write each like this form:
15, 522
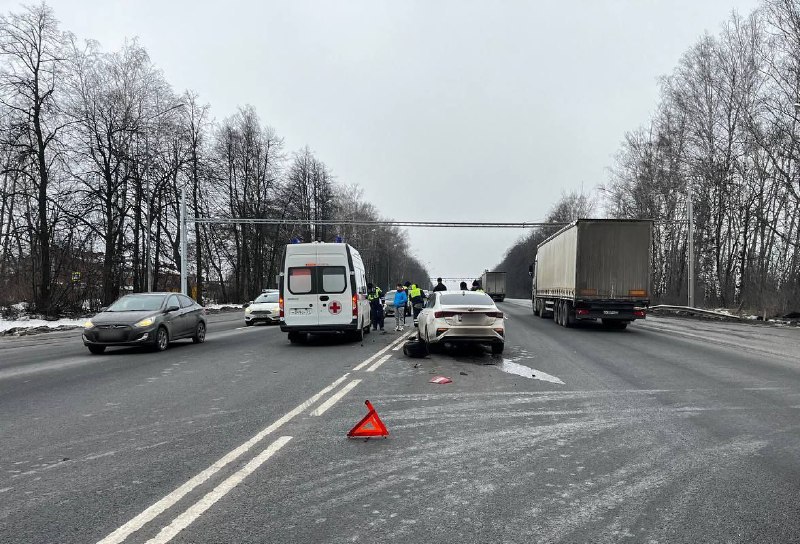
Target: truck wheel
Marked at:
556, 308
569, 315
294, 337
535, 306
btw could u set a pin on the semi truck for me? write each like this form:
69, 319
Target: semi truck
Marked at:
594, 269
494, 285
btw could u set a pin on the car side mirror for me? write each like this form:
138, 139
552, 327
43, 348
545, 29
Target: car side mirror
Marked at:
530, 270
172, 309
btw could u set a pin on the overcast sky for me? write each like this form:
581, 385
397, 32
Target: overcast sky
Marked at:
450, 110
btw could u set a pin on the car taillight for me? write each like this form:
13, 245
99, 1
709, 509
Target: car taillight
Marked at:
439, 315
497, 315
582, 311
280, 307
355, 305
639, 313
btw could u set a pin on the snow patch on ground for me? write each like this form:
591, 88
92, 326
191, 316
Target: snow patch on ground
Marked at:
7, 324
221, 306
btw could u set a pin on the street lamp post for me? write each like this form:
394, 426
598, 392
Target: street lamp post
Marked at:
689, 212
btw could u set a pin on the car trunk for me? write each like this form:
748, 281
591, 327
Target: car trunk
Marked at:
469, 316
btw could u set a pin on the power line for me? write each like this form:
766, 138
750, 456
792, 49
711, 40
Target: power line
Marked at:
360, 223
389, 223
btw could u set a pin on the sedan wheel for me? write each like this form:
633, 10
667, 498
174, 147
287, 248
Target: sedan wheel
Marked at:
199, 333
162, 339
96, 350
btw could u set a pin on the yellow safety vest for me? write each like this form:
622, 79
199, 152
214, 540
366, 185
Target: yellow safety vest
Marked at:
415, 291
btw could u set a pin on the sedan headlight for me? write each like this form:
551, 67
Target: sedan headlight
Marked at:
146, 322
88, 324
248, 310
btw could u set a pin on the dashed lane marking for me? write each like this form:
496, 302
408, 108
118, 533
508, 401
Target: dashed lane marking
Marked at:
379, 362
381, 352
322, 408
169, 500
193, 512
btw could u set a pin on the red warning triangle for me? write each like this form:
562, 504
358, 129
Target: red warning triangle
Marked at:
370, 425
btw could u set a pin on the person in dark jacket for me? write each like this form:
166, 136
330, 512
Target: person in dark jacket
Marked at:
439, 285
463, 286
376, 312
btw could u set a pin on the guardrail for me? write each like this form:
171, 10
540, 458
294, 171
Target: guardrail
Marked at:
698, 311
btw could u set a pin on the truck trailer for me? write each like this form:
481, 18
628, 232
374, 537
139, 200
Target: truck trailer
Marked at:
494, 285
594, 269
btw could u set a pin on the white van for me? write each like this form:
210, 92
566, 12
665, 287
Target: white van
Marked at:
323, 289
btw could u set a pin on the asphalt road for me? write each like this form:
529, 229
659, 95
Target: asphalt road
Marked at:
671, 431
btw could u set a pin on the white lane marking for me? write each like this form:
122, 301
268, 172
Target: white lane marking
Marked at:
169, 500
511, 367
379, 363
322, 408
193, 512
381, 352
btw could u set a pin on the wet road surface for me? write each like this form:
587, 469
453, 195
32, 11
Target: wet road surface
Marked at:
671, 431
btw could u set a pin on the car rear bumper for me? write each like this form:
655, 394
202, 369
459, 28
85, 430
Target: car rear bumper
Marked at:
470, 335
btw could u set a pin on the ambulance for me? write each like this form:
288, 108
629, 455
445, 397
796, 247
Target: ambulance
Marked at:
323, 289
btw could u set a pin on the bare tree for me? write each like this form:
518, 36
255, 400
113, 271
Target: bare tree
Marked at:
32, 49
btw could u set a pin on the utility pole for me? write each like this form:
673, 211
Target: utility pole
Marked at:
184, 256
690, 274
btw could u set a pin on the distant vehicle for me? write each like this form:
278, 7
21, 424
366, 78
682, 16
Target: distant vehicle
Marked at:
388, 307
146, 319
263, 291
323, 289
494, 285
462, 317
594, 269
264, 309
